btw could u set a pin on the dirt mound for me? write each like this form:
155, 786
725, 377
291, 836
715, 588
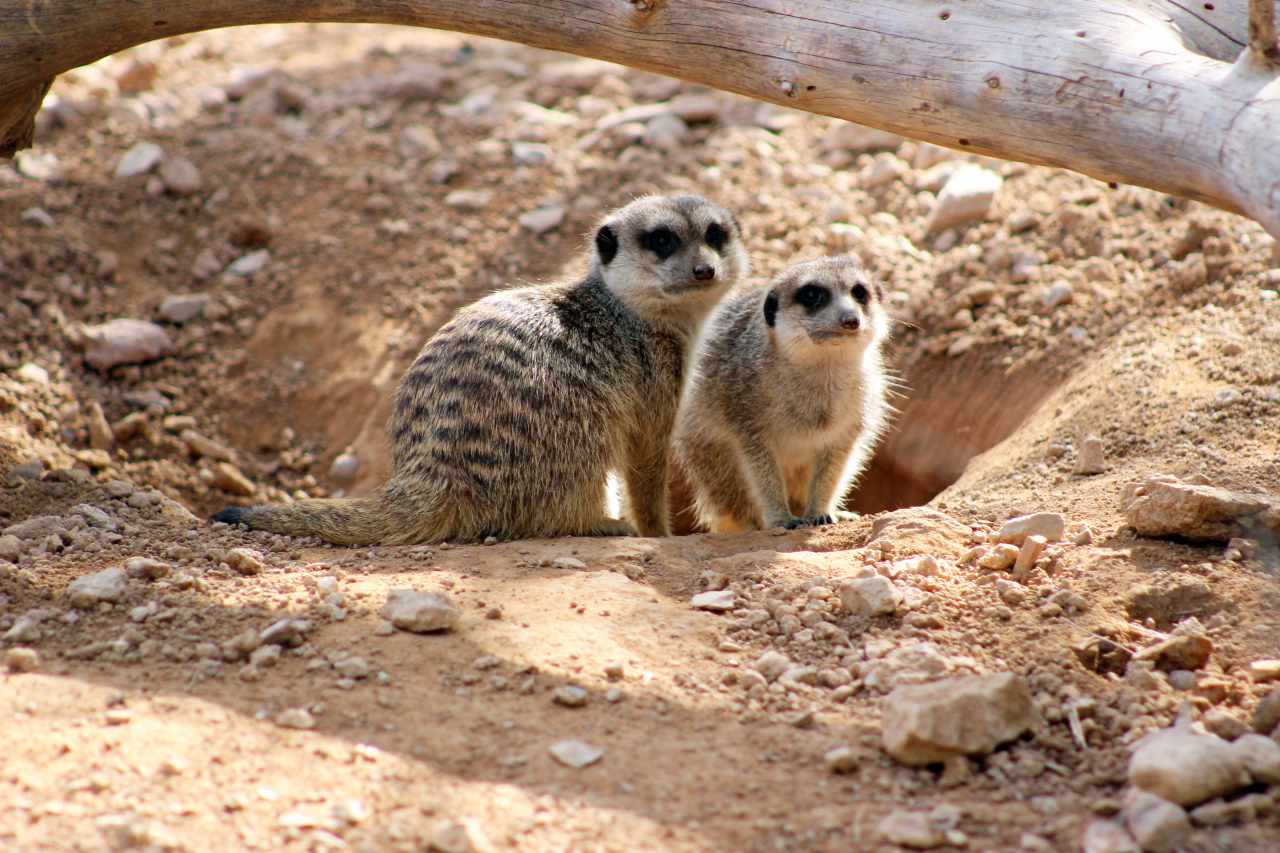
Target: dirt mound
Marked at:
323, 198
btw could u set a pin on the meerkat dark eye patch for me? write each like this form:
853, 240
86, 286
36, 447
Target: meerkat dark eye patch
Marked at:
662, 241
860, 293
771, 309
716, 236
813, 297
606, 244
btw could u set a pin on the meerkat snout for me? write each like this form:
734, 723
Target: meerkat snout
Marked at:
704, 272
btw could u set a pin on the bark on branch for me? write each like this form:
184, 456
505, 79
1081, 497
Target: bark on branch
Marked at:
1163, 94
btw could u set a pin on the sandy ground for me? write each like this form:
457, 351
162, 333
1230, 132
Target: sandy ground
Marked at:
340, 151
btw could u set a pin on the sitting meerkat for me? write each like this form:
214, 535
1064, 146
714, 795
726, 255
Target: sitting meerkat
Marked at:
786, 399
513, 414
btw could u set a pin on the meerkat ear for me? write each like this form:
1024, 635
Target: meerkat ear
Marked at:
606, 244
771, 309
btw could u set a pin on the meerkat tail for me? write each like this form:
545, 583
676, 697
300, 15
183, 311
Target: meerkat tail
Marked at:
345, 521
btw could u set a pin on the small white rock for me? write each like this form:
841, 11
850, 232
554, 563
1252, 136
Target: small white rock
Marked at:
874, 596
124, 341
772, 664
183, 307
421, 612
344, 468
575, 753
139, 160
180, 176
911, 829
109, 585
1050, 525
543, 219
295, 718
21, 660
247, 265
1091, 457
966, 197
717, 601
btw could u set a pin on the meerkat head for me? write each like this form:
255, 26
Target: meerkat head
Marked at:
830, 308
670, 257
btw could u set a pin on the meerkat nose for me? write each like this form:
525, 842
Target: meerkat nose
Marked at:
704, 272
850, 322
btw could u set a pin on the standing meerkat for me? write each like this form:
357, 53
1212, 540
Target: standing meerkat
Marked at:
513, 414
786, 399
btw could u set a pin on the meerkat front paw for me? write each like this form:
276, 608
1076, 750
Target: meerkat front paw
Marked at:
807, 521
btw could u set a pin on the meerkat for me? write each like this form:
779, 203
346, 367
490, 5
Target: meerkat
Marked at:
510, 419
786, 398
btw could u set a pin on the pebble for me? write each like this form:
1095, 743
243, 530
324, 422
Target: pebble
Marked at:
108, 585
344, 468
1224, 725
140, 159
1186, 651
1010, 592
1050, 525
1186, 767
1091, 457
264, 656
1032, 548
145, 568
856, 139
1261, 671
1266, 716
575, 753
455, 837
352, 667
21, 660
570, 696
284, 632
999, 558
966, 197
874, 596
469, 201
717, 601
180, 176
1261, 757
885, 169
124, 341
231, 480
200, 445
772, 664
94, 516
37, 216
1107, 836
295, 718
183, 307
572, 564
10, 547
38, 527
842, 759
100, 435
421, 612
253, 262
1057, 294
969, 715
419, 140
1158, 825
245, 561
911, 829
543, 219
39, 165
